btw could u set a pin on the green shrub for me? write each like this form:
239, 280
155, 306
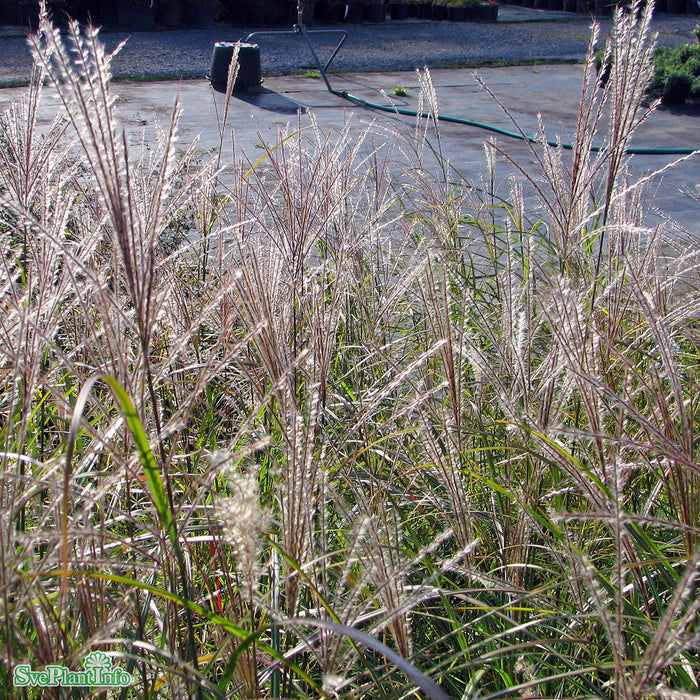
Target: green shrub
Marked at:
675, 70
695, 90
677, 88
693, 66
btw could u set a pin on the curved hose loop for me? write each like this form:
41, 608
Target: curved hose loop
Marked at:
301, 29
504, 132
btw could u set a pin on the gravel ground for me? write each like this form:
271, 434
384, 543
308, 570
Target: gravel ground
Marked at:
520, 35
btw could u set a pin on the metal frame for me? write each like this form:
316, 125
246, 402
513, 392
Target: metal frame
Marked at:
299, 29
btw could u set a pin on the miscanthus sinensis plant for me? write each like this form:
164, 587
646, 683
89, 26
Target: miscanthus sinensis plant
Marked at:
338, 423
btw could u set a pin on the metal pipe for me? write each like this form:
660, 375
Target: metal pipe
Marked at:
299, 29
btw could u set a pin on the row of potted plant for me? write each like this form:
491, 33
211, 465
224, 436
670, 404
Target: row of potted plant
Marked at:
371, 10
364, 10
135, 14
465, 10
352, 11
147, 14
606, 7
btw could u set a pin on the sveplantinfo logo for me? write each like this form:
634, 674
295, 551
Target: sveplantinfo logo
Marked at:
97, 672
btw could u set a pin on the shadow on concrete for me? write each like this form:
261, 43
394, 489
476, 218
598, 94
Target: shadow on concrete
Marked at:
270, 101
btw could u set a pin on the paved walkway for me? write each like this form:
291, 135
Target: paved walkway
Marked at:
526, 90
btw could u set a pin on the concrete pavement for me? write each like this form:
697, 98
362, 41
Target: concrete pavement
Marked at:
549, 90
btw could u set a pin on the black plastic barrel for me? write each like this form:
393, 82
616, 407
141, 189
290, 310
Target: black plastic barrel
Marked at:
249, 71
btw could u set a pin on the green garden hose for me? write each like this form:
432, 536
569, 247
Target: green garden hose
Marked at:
300, 28
504, 132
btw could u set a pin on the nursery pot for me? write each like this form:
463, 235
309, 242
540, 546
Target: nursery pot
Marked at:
106, 13
259, 13
197, 15
144, 19
603, 8
125, 14
328, 11
354, 14
485, 13
308, 12
169, 14
458, 13
7, 13
136, 17
399, 10
28, 14
374, 12
249, 72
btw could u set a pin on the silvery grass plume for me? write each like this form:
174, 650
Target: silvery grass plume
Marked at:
145, 202
472, 425
96, 276
580, 342
576, 189
315, 223
243, 523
